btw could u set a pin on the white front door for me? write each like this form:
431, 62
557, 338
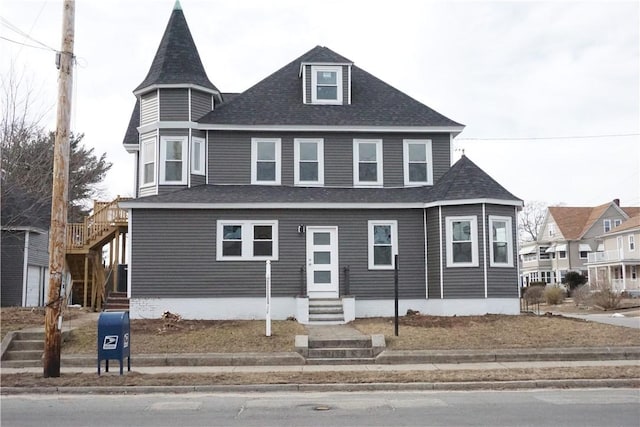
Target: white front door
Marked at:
322, 262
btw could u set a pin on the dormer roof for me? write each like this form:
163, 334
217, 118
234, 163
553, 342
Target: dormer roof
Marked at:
277, 101
322, 55
177, 61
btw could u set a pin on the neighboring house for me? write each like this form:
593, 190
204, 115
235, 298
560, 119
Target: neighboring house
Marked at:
618, 264
323, 170
25, 266
566, 238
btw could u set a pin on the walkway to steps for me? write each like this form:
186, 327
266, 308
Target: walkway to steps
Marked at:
338, 345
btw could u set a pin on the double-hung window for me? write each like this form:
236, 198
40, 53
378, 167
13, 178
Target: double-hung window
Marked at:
173, 157
632, 242
606, 225
326, 84
501, 241
308, 156
462, 241
148, 161
367, 163
383, 244
197, 155
418, 166
247, 240
265, 161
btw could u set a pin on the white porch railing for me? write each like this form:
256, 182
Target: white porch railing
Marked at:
628, 284
606, 256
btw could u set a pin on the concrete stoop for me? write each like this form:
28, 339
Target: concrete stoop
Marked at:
340, 350
326, 312
24, 348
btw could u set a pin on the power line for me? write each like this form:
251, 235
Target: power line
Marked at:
533, 138
26, 45
18, 31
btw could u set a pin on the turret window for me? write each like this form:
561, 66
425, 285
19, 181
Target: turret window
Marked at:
172, 160
148, 161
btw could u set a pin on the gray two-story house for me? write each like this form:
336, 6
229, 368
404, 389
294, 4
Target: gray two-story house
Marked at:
321, 169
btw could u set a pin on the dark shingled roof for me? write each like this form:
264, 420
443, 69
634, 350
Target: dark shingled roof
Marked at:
131, 135
177, 60
277, 100
287, 194
465, 180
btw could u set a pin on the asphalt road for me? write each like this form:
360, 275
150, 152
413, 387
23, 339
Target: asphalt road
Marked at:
583, 407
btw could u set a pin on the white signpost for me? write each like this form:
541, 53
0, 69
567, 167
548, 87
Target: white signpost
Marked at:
268, 298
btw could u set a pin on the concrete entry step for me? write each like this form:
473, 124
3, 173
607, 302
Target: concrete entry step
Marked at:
28, 345
338, 344
326, 310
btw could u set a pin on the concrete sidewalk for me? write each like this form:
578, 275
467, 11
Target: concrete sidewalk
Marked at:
114, 367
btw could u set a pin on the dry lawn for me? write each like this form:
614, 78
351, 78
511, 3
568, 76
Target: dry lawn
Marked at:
187, 379
16, 318
492, 331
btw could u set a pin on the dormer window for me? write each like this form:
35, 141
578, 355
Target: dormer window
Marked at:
326, 84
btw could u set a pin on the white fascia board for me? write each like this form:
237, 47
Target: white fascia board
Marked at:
332, 64
175, 86
181, 205
167, 125
517, 203
132, 148
320, 128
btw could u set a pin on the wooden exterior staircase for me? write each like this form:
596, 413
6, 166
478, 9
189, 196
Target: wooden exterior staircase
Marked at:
93, 277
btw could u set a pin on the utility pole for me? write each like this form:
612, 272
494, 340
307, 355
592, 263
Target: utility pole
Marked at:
59, 196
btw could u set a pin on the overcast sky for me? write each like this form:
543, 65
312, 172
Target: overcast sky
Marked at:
513, 72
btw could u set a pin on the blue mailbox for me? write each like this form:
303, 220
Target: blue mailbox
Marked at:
113, 338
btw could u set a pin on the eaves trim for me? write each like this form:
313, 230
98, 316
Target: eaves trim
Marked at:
327, 128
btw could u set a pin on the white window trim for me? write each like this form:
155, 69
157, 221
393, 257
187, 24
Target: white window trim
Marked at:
247, 240
394, 243
429, 160
606, 224
474, 241
616, 222
200, 154
314, 83
508, 221
379, 164
148, 141
183, 141
632, 242
254, 160
296, 156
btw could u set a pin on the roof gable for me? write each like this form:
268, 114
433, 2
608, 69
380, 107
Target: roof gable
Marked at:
465, 180
575, 221
277, 100
177, 60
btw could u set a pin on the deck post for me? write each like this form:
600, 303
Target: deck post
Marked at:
117, 260
86, 278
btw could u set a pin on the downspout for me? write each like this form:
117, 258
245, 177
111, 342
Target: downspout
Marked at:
128, 245
25, 268
426, 267
484, 248
441, 260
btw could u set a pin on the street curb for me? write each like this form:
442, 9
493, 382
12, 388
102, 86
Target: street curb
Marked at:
341, 387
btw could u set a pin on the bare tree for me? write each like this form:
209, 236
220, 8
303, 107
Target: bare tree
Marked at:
530, 220
26, 160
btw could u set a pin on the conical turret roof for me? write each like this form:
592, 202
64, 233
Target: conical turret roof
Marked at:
177, 60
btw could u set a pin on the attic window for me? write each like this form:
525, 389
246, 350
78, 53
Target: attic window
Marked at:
326, 85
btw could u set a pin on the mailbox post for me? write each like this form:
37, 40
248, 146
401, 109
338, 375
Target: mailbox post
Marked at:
113, 339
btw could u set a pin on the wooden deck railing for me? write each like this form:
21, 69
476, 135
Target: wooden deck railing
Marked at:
105, 216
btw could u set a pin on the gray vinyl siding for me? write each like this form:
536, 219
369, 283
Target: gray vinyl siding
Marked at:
502, 282
441, 153
463, 282
200, 104
174, 254
11, 276
39, 249
147, 191
229, 156
433, 252
174, 104
149, 108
